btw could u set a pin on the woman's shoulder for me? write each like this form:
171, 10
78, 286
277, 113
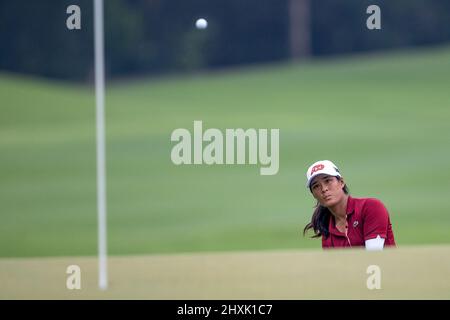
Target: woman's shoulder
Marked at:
370, 206
368, 203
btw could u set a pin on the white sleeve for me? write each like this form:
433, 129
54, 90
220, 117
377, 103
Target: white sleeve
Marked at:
375, 244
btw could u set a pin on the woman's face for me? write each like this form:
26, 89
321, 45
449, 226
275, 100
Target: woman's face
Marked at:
328, 190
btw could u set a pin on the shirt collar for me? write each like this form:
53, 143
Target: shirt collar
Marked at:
350, 205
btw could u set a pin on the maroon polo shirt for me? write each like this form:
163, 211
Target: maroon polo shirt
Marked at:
366, 219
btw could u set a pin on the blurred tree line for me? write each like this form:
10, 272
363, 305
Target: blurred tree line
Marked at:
155, 37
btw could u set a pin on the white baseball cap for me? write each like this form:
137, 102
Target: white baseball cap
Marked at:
321, 167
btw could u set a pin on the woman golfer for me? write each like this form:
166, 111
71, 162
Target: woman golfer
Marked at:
341, 220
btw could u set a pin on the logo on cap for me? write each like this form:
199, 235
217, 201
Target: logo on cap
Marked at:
316, 168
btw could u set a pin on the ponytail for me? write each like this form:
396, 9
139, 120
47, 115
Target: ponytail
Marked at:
319, 222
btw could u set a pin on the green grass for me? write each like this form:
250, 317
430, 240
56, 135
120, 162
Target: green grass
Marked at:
384, 119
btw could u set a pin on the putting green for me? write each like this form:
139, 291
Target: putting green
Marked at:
406, 273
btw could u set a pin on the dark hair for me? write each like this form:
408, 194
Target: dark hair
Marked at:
321, 218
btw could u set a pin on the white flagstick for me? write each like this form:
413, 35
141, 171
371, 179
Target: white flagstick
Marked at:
100, 117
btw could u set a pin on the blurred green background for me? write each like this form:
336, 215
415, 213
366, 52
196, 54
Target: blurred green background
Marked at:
381, 116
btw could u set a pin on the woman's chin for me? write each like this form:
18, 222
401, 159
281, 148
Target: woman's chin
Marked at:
329, 202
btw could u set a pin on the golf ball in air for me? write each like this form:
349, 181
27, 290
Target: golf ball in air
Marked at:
201, 23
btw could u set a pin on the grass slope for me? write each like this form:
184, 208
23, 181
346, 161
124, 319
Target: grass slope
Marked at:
384, 119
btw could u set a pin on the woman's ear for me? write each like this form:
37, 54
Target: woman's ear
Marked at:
342, 182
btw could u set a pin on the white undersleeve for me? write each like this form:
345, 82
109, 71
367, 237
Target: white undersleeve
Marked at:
375, 244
